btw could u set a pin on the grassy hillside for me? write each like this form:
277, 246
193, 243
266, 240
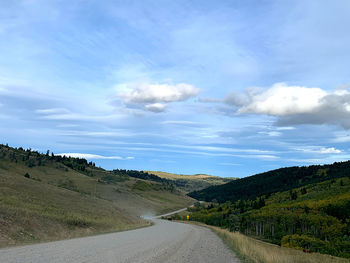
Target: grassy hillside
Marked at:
312, 216
189, 183
48, 197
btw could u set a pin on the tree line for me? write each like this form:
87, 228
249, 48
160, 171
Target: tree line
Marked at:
32, 158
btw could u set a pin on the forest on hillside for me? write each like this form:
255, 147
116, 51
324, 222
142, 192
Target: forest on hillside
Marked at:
310, 211
31, 158
283, 179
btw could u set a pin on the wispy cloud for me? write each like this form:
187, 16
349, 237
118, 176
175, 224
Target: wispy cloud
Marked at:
322, 160
287, 128
52, 111
324, 150
319, 150
204, 151
181, 122
95, 156
271, 133
229, 164
104, 134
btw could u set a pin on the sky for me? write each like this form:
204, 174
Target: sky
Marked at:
227, 88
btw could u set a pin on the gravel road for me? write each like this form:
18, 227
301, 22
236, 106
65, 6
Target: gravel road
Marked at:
163, 242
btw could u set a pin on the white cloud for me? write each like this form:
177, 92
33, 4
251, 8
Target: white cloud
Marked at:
272, 133
329, 150
307, 161
155, 107
296, 104
324, 160
280, 100
52, 111
319, 150
155, 96
285, 128
94, 156
82, 117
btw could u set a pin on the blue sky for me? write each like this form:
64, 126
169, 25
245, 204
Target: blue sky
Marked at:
227, 88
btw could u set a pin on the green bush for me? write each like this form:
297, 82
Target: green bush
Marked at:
303, 242
68, 184
142, 186
111, 179
338, 247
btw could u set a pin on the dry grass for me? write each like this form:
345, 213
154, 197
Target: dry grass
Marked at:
261, 252
179, 176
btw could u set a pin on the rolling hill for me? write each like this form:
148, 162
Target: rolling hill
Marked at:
189, 183
49, 197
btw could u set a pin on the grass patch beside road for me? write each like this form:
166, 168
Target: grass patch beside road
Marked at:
261, 252
251, 250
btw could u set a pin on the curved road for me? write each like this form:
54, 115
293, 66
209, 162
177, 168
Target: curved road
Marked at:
163, 242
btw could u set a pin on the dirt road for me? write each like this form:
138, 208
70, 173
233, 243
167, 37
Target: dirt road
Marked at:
163, 242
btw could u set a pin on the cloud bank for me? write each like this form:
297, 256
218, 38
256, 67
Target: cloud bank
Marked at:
295, 104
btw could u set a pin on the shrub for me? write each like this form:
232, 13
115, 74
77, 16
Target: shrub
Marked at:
68, 184
78, 221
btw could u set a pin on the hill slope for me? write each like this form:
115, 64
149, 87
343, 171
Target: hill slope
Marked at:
189, 183
47, 197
